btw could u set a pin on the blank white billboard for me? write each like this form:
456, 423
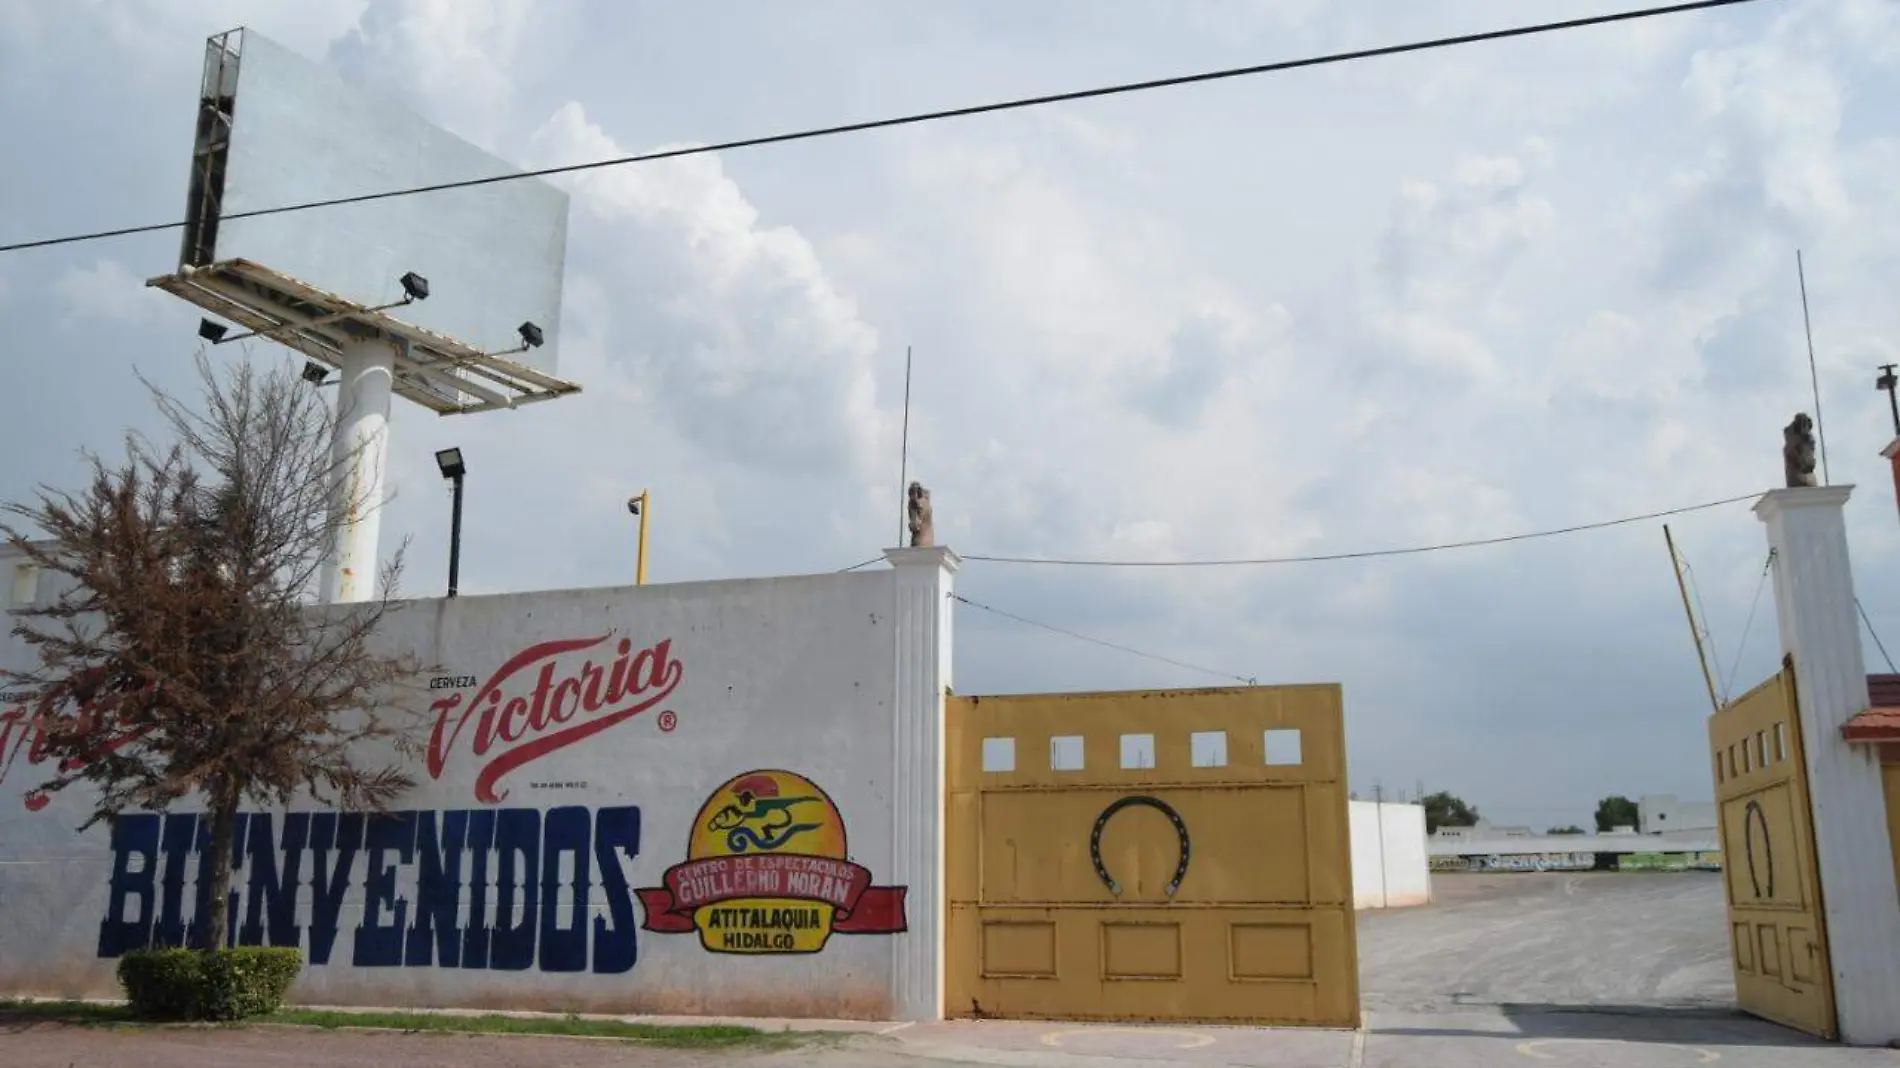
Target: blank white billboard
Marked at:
300, 132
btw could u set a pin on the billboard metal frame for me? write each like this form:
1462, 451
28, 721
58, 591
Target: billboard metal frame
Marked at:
217, 97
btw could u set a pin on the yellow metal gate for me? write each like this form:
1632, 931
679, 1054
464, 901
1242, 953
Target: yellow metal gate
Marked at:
1159, 855
1776, 932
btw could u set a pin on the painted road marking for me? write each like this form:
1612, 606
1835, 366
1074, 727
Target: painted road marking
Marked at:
1529, 1049
1189, 1039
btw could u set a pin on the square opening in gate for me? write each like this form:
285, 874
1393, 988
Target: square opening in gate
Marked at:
1065, 752
1283, 746
1138, 750
1208, 749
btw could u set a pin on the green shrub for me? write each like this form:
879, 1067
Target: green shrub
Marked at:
251, 981
161, 984
225, 984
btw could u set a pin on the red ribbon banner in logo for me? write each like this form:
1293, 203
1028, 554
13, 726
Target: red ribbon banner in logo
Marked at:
861, 907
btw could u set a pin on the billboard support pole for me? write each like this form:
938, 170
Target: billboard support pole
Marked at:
360, 452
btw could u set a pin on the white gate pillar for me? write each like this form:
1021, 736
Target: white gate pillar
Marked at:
922, 614
1820, 630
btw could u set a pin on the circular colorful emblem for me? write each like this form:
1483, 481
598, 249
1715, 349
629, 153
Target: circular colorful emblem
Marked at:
767, 872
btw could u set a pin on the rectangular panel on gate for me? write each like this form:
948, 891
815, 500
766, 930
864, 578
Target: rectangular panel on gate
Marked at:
1772, 882
1156, 855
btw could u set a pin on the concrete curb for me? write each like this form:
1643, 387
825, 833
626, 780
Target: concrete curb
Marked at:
764, 1024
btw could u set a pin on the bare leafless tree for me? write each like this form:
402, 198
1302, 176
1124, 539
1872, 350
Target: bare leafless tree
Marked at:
183, 655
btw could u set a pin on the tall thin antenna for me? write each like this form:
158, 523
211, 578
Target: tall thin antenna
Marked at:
903, 462
1820, 428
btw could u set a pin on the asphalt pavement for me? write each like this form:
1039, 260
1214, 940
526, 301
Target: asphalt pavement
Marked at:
1552, 940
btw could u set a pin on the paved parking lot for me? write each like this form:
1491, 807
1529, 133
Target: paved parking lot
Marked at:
1554, 940
1589, 970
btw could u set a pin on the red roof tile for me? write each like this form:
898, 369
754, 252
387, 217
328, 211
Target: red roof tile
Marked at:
1873, 725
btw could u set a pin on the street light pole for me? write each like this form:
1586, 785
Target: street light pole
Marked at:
1887, 381
641, 506
453, 469
455, 539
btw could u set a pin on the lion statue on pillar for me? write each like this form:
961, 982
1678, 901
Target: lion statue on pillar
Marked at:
1797, 451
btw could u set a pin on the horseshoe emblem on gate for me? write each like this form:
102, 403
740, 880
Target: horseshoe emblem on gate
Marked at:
1101, 824
1752, 816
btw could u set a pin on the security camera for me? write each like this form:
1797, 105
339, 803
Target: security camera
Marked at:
633, 505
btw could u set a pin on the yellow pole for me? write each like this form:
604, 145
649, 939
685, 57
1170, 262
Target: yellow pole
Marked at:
1695, 632
646, 511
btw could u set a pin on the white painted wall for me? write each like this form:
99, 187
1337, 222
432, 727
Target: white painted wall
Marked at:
798, 675
1389, 864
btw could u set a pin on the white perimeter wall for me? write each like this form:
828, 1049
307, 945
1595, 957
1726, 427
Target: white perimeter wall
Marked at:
1389, 870
792, 674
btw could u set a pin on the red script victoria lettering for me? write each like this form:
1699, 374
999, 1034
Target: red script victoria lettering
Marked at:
23, 736
529, 707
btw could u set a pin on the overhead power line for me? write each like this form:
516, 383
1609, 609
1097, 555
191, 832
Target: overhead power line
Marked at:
1768, 565
1878, 644
1701, 619
931, 116
1369, 553
1130, 650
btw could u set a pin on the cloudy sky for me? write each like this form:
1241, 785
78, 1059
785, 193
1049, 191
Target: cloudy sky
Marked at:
1474, 292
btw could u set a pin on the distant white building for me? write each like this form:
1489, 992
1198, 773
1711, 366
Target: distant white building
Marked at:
1486, 830
1663, 814
1657, 815
23, 587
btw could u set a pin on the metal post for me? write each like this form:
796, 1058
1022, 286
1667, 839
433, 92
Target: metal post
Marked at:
1814, 376
455, 539
359, 449
1695, 632
903, 461
640, 564
1378, 808
1886, 383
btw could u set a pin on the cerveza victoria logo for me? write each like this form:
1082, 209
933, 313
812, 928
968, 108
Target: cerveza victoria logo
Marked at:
548, 697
